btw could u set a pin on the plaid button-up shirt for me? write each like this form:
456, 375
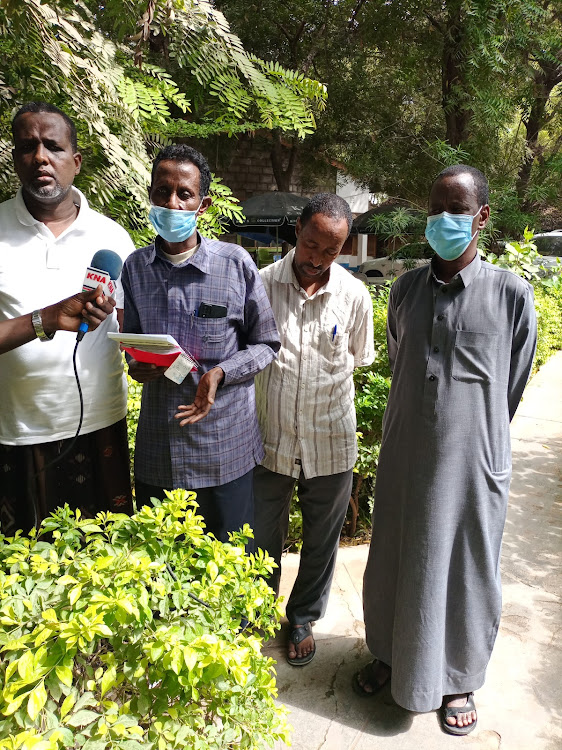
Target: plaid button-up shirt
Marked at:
161, 297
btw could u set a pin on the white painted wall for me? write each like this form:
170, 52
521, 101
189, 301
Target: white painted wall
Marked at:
354, 194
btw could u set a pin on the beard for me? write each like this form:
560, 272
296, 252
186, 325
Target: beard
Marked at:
48, 193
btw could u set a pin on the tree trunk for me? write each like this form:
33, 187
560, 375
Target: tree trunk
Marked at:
354, 503
546, 78
457, 114
283, 174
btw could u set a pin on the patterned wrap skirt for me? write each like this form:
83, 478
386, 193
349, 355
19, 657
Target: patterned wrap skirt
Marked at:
94, 476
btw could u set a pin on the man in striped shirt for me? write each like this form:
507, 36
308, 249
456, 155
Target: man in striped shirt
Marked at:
306, 410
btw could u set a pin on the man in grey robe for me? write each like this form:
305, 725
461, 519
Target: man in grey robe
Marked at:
461, 341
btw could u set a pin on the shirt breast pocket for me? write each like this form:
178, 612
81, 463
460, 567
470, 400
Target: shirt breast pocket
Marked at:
334, 345
210, 338
475, 356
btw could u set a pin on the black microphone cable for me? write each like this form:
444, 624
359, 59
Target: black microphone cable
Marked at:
70, 446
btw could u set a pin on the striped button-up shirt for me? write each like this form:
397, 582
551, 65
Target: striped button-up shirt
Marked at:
305, 398
161, 297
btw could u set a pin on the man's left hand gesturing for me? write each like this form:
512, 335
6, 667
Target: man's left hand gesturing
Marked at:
204, 398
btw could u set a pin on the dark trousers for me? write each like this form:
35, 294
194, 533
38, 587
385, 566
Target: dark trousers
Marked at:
323, 502
226, 507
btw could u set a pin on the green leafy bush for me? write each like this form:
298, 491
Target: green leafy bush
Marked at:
548, 304
372, 385
127, 633
379, 298
134, 396
523, 259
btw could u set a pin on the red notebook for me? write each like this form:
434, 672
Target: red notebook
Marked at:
157, 349
162, 360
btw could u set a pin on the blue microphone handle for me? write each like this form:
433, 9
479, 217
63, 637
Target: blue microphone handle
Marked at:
82, 330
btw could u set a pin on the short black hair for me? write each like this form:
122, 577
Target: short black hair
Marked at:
328, 204
181, 152
37, 107
480, 180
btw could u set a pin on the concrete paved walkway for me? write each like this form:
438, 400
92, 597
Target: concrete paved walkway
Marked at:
520, 705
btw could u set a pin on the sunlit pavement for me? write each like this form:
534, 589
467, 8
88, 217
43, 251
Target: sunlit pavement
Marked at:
520, 705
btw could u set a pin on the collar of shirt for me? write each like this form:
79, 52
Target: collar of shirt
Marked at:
79, 223
180, 258
285, 274
465, 276
199, 260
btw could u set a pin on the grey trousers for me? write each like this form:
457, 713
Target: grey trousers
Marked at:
323, 502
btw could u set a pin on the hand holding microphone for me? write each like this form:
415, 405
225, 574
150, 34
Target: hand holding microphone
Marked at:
65, 315
103, 270
91, 307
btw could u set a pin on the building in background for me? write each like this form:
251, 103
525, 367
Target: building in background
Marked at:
246, 165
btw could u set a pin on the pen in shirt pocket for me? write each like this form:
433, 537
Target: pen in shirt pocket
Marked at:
334, 332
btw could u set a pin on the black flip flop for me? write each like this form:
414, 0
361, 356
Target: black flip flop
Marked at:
448, 712
360, 690
297, 635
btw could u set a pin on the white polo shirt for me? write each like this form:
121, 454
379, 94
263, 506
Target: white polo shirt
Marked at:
38, 394
305, 397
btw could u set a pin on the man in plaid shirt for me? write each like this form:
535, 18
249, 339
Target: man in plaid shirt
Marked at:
202, 434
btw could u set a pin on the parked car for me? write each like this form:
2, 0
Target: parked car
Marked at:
549, 245
402, 260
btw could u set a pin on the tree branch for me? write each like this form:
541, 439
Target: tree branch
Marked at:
434, 22
299, 32
354, 13
281, 28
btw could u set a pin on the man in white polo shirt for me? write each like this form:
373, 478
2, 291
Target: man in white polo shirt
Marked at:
48, 235
306, 409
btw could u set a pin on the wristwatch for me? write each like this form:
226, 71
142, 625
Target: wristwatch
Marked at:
38, 327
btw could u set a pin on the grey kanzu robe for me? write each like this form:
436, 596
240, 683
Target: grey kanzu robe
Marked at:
461, 354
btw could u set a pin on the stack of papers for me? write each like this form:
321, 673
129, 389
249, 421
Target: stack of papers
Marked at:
156, 349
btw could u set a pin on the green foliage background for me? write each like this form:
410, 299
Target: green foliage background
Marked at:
135, 75
414, 87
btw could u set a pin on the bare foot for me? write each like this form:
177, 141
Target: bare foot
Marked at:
303, 649
461, 719
373, 676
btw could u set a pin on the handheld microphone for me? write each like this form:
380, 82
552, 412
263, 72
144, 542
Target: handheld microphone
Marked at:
104, 269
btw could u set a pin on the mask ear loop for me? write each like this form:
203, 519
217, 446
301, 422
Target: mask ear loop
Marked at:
477, 230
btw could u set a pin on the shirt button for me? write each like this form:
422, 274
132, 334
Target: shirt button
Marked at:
435, 348
432, 377
444, 289
440, 317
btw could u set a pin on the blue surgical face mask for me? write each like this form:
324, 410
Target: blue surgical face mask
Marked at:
172, 224
450, 234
